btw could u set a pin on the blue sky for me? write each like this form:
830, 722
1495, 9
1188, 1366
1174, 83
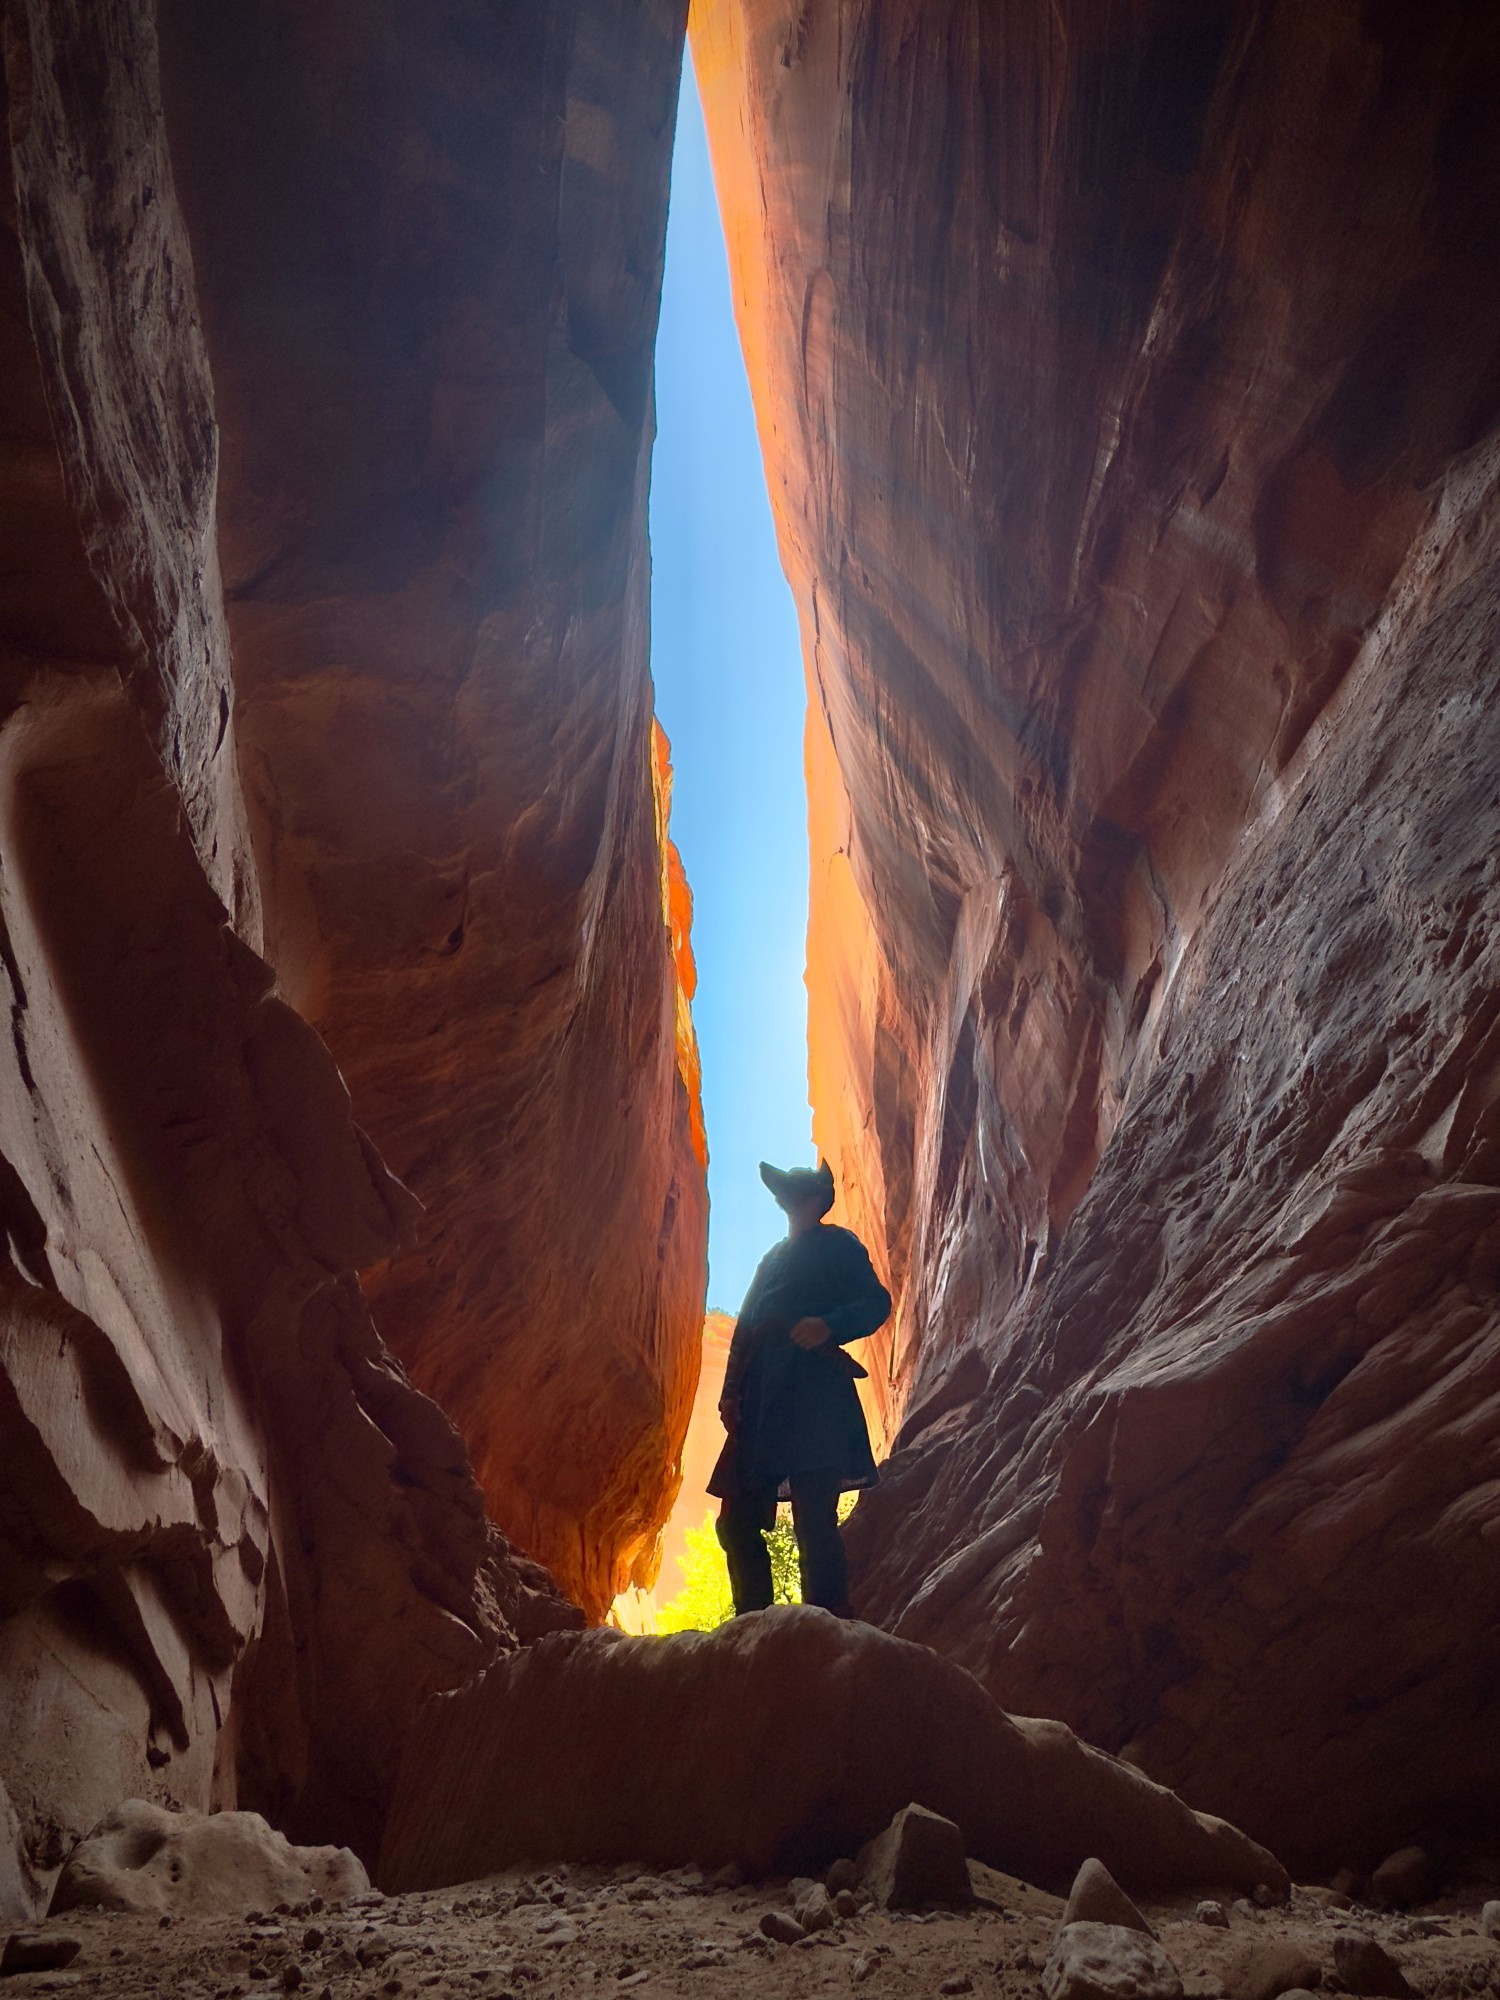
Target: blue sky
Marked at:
727, 662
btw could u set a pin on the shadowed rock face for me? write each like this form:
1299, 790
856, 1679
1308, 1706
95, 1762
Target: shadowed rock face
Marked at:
434, 382
237, 1547
1127, 383
783, 1739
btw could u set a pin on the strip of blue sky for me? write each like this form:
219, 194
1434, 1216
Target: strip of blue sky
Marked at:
727, 662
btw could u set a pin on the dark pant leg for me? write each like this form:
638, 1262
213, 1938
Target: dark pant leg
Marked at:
742, 1520
820, 1545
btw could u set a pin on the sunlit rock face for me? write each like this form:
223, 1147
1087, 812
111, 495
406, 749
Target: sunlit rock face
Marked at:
428, 242
237, 1547
1127, 381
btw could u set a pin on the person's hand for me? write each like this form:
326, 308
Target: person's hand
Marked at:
810, 1332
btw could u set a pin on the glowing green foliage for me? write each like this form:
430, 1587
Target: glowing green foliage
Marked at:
704, 1600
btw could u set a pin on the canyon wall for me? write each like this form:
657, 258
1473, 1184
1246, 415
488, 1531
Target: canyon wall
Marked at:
433, 379
1128, 383
358, 680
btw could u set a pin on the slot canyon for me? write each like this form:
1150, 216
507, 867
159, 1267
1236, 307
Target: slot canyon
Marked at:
1127, 380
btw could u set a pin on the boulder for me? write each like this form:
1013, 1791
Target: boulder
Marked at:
918, 1859
1365, 1967
815, 1912
781, 1927
1097, 1898
1404, 1878
146, 1859
1108, 1962
16, 1902
843, 1874
38, 1951
782, 1739
1265, 1968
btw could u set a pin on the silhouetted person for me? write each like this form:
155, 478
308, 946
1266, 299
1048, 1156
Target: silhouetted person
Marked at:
796, 1429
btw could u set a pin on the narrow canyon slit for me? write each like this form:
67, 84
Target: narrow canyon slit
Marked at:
730, 692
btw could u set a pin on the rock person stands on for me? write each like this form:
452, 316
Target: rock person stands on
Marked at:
796, 1429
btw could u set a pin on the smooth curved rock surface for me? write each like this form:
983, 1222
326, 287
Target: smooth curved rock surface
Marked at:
432, 515
237, 1546
145, 1859
1128, 383
788, 1737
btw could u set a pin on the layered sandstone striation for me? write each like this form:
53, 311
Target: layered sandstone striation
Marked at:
238, 1548
1128, 384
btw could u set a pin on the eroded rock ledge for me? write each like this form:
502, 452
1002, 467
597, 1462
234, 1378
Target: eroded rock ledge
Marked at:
1128, 386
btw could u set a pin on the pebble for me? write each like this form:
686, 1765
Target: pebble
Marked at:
1214, 1915
864, 1965
846, 1904
958, 1982
780, 1927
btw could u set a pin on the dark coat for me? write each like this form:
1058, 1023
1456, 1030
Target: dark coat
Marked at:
799, 1411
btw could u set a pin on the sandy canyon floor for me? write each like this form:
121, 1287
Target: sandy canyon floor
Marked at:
628, 1931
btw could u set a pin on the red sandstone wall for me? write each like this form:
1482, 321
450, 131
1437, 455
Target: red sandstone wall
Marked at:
1125, 379
237, 1547
434, 383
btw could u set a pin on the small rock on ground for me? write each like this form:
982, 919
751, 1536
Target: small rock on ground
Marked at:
1404, 1878
1097, 1898
1108, 1962
781, 1928
1367, 1968
1214, 1915
1265, 1969
918, 1859
814, 1912
39, 1951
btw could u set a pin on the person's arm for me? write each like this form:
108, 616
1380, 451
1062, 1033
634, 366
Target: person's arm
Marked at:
866, 1303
